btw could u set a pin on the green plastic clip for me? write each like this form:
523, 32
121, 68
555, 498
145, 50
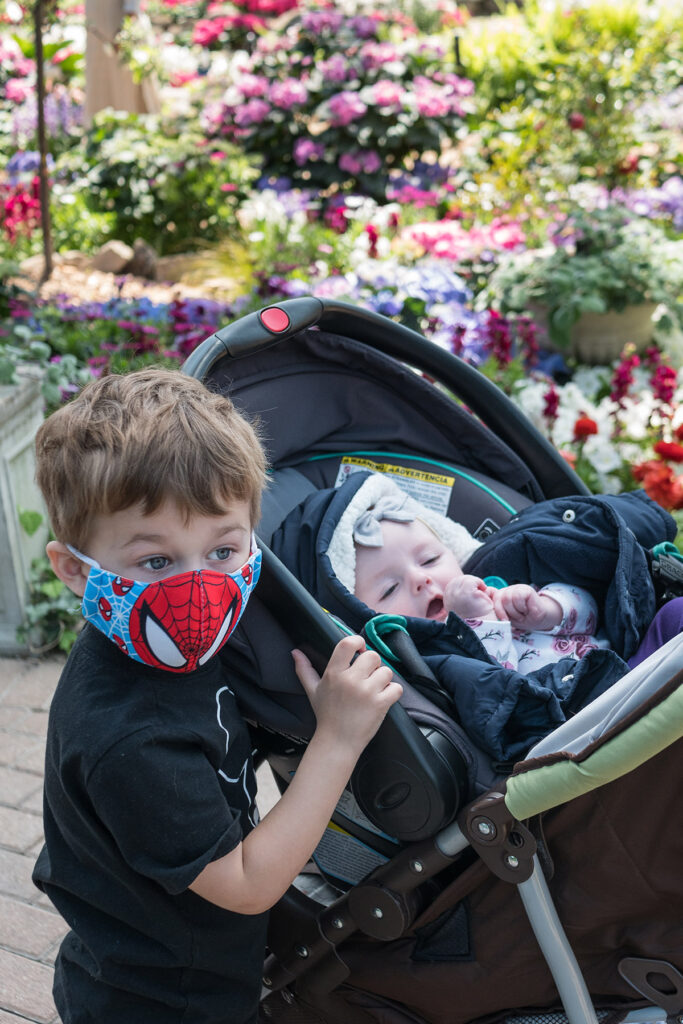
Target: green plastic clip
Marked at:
376, 627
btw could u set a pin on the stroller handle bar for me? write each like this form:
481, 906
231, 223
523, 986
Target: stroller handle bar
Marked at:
268, 326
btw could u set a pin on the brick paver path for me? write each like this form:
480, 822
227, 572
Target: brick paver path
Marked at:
30, 930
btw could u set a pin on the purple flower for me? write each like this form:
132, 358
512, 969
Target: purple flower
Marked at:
336, 69
288, 94
388, 94
360, 161
306, 150
253, 85
253, 112
346, 107
320, 22
374, 55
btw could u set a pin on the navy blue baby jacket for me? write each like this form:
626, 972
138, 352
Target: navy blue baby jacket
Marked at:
599, 542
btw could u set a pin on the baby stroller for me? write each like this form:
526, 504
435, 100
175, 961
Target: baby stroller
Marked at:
413, 915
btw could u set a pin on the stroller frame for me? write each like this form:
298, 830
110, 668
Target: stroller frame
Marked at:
306, 934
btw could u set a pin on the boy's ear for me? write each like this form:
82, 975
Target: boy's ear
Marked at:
69, 569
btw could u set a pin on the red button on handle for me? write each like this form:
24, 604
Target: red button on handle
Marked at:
274, 319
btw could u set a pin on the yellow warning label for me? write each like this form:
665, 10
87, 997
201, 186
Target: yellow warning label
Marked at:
432, 489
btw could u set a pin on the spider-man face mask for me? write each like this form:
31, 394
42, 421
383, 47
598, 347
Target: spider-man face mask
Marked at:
177, 623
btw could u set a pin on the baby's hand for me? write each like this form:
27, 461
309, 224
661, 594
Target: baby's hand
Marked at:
469, 597
354, 693
526, 609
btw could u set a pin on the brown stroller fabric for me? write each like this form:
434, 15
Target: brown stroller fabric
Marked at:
616, 856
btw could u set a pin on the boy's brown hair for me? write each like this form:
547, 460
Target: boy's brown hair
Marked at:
145, 437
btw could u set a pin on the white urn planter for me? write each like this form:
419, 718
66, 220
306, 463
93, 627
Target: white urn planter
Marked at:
21, 414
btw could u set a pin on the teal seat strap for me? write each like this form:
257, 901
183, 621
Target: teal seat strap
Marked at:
377, 627
667, 548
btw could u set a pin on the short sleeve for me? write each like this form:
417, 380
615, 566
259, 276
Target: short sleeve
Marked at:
163, 804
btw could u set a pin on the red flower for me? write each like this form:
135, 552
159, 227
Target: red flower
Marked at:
663, 382
373, 238
584, 427
551, 403
576, 120
660, 483
669, 450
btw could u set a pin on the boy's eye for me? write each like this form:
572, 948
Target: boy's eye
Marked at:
431, 560
156, 563
223, 554
388, 592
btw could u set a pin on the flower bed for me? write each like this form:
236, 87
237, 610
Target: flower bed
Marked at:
343, 150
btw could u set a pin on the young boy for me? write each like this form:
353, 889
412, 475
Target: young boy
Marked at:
153, 851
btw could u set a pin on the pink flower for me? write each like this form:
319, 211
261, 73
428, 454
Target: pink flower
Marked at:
288, 94
432, 102
207, 31
584, 644
386, 93
410, 195
253, 85
16, 90
374, 55
505, 234
350, 163
336, 69
360, 161
253, 112
564, 645
306, 150
346, 107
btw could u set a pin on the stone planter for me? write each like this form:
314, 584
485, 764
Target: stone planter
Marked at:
600, 337
21, 414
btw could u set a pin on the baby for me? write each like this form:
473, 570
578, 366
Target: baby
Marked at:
403, 567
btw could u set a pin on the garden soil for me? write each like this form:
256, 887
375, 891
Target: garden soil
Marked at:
73, 278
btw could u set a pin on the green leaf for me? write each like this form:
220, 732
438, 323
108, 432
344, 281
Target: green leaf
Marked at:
593, 304
30, 520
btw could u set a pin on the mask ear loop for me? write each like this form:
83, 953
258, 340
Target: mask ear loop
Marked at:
84, 558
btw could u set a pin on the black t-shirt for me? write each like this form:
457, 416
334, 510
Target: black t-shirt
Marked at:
148, 778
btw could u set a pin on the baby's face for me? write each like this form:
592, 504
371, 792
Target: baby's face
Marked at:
408, 574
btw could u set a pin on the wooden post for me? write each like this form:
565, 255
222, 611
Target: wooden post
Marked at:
38, 16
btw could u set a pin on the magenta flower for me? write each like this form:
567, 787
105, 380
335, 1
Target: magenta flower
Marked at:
346, 107
306, 150
253, 85
350, 163
432, 102
374, 55
288, 94
16, 90
388, 94
336, 69
360, 161
253, 112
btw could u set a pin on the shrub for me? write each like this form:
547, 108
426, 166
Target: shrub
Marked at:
162, 184
340, 99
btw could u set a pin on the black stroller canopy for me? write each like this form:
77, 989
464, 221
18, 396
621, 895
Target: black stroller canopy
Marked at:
319, 392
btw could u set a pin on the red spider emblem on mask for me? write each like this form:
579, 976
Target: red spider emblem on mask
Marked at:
105, 608
181, 622
120, 643
121, 586
248, 573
